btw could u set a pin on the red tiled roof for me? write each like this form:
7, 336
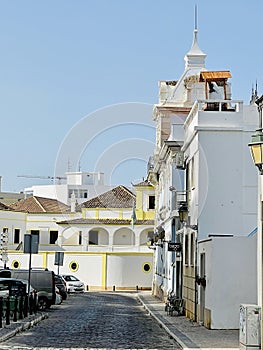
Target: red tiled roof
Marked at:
35, 204
118, 197
105, 222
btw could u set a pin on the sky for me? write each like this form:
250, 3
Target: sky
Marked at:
78, 78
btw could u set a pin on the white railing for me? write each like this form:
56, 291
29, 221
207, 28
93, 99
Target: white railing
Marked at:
223, 106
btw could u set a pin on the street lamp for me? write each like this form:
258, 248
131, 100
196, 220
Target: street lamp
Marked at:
256, 148
183, 212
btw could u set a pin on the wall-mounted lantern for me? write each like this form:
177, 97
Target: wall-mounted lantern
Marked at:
183, 212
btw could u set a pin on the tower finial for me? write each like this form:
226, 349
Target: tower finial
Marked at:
195, 17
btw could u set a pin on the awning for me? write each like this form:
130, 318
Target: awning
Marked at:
215, 76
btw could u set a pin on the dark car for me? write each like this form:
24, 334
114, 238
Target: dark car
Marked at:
12, 287
41, 280
61, 284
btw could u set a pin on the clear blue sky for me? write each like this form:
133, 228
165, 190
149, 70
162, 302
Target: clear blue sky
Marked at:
61, 60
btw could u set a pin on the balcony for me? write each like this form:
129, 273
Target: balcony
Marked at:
217, 108
178, 198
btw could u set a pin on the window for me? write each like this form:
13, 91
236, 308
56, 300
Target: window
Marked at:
15, 264
93, 237
78, 193
147, 267
53, 236
83, 194
16, 235
80, 237
151, 203
74, 266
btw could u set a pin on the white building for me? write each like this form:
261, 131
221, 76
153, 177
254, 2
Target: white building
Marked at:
104, 240
84, 185
200, 129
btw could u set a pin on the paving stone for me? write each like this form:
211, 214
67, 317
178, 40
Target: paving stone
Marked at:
95, 321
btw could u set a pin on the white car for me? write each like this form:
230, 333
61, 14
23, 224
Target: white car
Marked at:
73, 284
58, 300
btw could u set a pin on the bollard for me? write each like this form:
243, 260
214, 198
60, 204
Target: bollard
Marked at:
1, 312
30, 304
87, 288
7, 315
35, 303
20, 307
25, 309
113, 288
15, 309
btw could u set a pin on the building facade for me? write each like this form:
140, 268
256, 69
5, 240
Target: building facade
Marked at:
83, 184
104, 239
202, 169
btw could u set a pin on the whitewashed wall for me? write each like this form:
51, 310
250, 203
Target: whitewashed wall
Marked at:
127, 270
230, 204
231, 274
97, 270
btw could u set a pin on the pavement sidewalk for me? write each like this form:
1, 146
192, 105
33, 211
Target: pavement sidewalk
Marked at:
15, 327
188, 334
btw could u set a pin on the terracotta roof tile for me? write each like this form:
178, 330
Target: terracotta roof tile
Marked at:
35, 204
118, 197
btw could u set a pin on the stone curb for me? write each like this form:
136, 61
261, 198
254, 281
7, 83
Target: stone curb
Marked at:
178, 340
20, 326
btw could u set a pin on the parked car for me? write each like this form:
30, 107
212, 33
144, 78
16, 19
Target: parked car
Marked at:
61, 285
31, 289
58, 296
43, 281
12, 287
73, 284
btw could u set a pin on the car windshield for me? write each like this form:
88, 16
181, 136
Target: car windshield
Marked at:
71, 278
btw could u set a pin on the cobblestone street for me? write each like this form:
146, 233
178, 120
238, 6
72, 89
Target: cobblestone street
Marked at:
95, 321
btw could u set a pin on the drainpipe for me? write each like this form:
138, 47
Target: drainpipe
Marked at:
173, 256
196, 289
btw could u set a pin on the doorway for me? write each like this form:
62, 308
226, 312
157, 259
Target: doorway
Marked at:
202, 288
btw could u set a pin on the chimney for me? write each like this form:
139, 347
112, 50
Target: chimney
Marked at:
73, 202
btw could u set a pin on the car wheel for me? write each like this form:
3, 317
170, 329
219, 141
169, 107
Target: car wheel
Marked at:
43, 304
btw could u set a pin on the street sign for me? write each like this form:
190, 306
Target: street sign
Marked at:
59, 257
31, 244
174, 247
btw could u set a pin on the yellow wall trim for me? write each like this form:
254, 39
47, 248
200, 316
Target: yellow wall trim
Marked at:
104, 271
